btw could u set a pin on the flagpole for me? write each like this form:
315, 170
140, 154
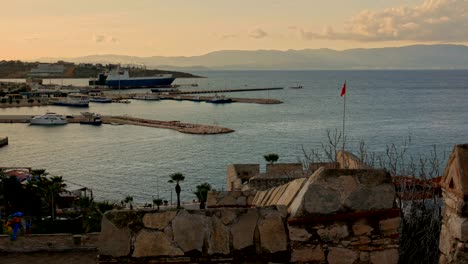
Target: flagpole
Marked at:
344, 115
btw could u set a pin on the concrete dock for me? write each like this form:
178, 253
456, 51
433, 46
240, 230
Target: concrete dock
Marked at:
232, 90
188, 128
3, 141
183, 97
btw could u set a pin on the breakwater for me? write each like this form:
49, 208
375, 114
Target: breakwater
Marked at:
228, 90
188, 128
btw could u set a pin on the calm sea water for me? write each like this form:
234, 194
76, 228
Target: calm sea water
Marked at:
382, 107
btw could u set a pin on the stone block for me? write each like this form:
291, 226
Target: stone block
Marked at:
242, 231
298, 234
330, 191
333, 233
292, 190
218, 238
389, 256
390, 226
273, 236
308, 254
158, 220
154, 244
362, 228
458, 226
189, 231
113, 241
228, 215
341, 256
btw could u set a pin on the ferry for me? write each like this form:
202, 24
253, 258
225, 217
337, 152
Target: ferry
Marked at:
120, 79
78, 100
49, 119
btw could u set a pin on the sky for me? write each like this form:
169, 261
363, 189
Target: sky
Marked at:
33, 29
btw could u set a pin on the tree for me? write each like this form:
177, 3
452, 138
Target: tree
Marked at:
177, 177
157, 202
202, 193
129, 200
272, 158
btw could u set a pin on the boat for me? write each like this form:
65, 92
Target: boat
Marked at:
91, 119
149, 97
219, 99
98, 99
171, 89
49, 119
120, 79
178, 98
196, 99
78, 100
121, 101
296, 87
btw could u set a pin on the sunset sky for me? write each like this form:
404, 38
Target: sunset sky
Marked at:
32, 29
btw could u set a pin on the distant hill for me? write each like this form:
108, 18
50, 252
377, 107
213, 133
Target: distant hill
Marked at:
444, 56
20, 69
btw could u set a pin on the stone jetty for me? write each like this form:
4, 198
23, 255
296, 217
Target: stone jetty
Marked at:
188, 128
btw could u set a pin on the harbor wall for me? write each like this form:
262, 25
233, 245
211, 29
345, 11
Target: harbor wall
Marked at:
48, 242
334, 216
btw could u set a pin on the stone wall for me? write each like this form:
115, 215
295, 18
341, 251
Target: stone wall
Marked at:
453, 243
230, 199
194, 236
285, 170
49, 242
238, 174
370, 237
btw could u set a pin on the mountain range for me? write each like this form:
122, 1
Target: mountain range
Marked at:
443, 56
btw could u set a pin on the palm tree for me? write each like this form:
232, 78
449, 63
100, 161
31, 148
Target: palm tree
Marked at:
157, 202
202, 193
177, 177
272, 158
129, 200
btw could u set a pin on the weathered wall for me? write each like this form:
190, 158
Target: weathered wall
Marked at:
230, 199
286, 170
453, 243
194, 236
237, 174
49, 242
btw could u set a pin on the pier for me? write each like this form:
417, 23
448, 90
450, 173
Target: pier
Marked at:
228, 90
3, 141
188, 128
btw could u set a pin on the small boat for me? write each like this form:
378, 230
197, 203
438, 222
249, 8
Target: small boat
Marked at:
196, 99
98, 99
49, 119
220, 99
121, 101
91, 119
73, 99
178, 98
296, 87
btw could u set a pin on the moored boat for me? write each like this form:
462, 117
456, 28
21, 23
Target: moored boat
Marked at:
77, 100
91, 119
148, 97
220, 99
49, 119
98, 99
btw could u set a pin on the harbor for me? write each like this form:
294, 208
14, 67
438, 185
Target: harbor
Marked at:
182, 127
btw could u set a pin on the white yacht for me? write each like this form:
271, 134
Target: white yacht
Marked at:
49, 119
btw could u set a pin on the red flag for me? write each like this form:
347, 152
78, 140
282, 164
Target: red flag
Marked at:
343, 90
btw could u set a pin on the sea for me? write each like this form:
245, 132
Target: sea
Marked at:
382, 107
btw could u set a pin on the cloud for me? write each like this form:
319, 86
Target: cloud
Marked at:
433, 20
258, 33
104, 39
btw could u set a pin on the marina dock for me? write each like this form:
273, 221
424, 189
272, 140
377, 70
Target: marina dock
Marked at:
188, 128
